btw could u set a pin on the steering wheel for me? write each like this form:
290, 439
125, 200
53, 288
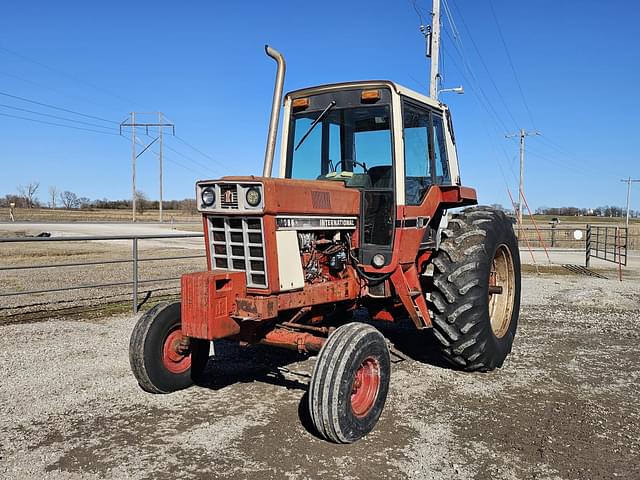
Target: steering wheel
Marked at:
360, 164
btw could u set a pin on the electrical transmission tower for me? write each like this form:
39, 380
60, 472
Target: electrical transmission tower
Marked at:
159, 125
522, 134
629, 181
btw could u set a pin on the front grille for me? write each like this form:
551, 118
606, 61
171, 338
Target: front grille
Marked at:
229, 197
237, 243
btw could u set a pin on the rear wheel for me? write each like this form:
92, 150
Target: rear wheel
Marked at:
475, 294
162, 359
349, 383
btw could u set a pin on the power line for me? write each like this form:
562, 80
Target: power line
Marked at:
186, 157
65, 74
52, 89
199, 151
139, 142
56, 124
513, 68
482, 62
474, 84
57, 108
54, 116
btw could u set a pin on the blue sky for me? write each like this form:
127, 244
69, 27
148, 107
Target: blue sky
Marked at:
202, 64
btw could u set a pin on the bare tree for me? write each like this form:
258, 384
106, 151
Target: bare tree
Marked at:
69, 200
53, 196
142, 201
28, 193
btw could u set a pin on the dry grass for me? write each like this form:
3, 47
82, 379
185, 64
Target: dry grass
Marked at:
94, 215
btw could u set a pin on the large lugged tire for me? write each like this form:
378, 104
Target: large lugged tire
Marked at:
349, 383
478, 257
161, 358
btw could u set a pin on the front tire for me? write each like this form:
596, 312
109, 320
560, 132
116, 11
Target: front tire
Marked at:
475, 296
162, 359
349, 383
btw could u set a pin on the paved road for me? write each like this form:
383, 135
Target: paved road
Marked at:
107, 228
112, 229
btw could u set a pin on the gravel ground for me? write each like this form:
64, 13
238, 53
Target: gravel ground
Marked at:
564, 406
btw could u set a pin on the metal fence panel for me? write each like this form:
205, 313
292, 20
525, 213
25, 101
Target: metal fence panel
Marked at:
134, 260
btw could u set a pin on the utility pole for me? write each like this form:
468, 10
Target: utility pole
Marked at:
629, 181
133, 163
522, 134
160, 161
160, 124
433, 49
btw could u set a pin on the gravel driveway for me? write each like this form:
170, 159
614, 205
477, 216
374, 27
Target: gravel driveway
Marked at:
566, 405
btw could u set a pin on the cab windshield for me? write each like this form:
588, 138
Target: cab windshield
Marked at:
352, 144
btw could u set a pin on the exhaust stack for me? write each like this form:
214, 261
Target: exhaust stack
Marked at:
275, 111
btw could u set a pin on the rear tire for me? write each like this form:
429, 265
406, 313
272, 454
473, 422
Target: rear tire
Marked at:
161, 358
349, 383
478, 256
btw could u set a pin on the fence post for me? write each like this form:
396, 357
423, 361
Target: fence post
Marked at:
588, 247
135, 274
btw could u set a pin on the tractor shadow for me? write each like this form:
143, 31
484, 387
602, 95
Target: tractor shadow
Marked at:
408, 343
232, 363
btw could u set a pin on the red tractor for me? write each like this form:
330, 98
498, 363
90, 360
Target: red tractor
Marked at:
356, 218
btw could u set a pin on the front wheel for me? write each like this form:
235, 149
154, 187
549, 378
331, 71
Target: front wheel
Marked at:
162, 359
349, 383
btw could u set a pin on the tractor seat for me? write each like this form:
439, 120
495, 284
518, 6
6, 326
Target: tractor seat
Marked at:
381, 176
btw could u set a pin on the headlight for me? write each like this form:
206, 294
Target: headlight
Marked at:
378, 260
253, 197
208, 197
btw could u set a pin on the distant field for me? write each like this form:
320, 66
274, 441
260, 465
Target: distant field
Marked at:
545, 219
94, 215
117, 215
563, 235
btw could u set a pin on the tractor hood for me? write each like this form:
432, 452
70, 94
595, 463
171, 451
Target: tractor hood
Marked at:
261, 195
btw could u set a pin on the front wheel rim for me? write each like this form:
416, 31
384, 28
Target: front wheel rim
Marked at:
365, 387
176, 356
502, 284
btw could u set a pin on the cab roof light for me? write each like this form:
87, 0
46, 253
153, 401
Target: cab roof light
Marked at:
370, 96
301, 103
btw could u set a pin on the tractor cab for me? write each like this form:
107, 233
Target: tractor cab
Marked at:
387, 141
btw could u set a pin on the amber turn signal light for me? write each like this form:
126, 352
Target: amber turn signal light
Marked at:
370, 96
301, 103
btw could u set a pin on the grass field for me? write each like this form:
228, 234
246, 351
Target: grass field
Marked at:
123, 215
94, 215
563, 235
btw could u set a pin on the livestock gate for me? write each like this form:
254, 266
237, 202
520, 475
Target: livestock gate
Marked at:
607, 243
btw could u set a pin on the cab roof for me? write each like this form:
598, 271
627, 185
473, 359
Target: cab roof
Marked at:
399, 89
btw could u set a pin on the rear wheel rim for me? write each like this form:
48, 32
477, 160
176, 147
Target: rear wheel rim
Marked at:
502, 275
176, 356
365, 388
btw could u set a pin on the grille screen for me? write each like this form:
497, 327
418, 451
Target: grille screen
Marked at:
237, 243
229, 196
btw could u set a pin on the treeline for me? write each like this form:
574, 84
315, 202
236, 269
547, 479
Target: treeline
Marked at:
27, 197
605, 211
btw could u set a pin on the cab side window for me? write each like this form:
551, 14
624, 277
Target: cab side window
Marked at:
417, 162
443, 177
